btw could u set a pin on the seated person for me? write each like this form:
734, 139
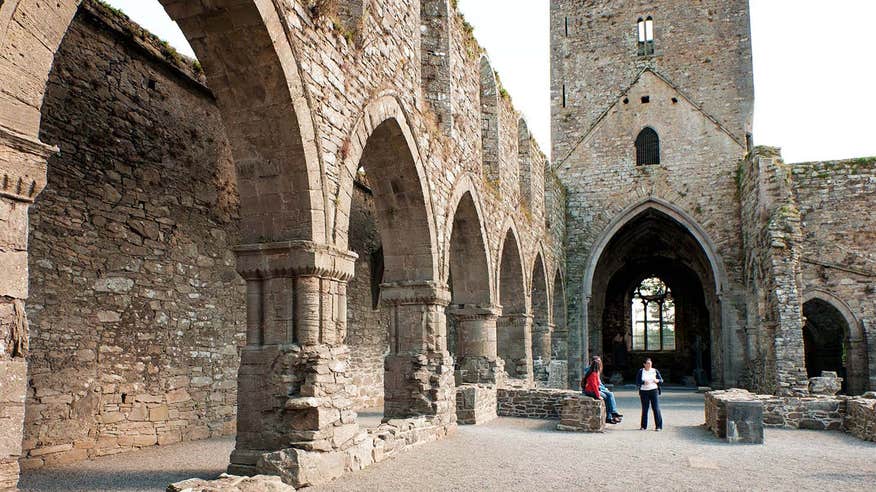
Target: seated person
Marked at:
593, 387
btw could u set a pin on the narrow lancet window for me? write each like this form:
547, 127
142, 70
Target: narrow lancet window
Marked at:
647, 147
645, 29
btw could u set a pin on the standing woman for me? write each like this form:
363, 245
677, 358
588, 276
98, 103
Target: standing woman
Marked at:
648, 380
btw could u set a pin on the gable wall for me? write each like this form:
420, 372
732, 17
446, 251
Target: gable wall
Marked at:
696, 174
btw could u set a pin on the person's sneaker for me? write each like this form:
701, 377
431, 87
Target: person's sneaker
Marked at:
658, 429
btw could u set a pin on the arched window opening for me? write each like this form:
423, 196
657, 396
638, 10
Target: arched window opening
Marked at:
653, 317
645, 28
647, 147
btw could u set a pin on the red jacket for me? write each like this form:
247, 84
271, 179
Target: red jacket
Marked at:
591, 384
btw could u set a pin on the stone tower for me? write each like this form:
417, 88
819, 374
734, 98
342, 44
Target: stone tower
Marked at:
651, 113
703, 47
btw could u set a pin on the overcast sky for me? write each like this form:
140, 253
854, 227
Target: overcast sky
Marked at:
813, 68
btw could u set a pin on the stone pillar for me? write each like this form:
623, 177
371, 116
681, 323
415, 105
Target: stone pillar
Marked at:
293, 383
22, 177
515, 340
541, 349
419, 369
477, 347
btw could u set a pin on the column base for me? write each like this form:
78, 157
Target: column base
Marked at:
420, 385
476, 404
480, 370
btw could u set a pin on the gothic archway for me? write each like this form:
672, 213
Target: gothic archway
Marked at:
656, 240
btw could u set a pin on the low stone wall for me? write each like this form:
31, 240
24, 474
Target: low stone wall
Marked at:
475, 404
856, 415
816, 412
301, 468
532, 403
582, 414
861, 418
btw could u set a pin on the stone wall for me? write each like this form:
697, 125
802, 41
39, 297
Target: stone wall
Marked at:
475, 403
532, 403
839, 264
772, 235
136, 310
815, 413
861, 418
704, 48
367, 321
854, 415
301, 96
694, 184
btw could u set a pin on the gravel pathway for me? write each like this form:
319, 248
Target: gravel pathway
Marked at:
519, 454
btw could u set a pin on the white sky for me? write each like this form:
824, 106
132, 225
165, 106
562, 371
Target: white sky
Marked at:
813, 68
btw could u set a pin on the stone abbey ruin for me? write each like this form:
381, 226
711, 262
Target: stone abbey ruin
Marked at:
337, 208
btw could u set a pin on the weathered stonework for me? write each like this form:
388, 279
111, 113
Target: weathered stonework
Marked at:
582, 414
854, 415
475, 403
838, 264
136, 312
533, 403
396, 228
861, 419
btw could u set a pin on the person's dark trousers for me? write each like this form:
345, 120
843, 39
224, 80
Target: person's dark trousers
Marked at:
650, 399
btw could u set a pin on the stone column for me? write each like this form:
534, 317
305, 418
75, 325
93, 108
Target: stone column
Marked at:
478, 360
515, 338
541, 349
22, 177
419, 369
293, 383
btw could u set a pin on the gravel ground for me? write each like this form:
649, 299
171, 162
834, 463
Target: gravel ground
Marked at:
519, 454
150, 469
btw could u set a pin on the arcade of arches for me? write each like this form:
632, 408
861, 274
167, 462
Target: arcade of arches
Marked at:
318, 219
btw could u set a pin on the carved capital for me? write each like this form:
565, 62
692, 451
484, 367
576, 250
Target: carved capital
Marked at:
294, 259
411, 293
471, 312
23, 163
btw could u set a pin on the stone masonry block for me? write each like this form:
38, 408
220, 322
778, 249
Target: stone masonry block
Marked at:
582, 414
745, 422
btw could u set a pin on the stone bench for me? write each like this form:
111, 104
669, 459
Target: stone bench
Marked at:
582, 414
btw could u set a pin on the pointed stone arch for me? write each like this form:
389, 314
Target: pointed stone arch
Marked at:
559, 313
672, 211
466, 188
857, 364
251, 69
514, 327
713, 277
467, 252
383, 146
472, 313
540, 310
